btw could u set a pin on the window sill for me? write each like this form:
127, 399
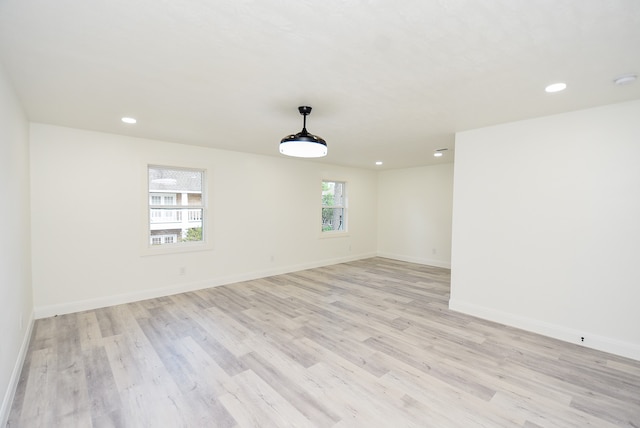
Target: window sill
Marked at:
175, 248
344, 234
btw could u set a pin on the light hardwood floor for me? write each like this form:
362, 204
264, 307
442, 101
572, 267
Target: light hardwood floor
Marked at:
369, 343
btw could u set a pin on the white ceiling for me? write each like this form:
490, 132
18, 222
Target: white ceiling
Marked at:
387, 80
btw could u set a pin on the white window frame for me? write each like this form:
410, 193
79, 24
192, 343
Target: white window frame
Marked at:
148, 248
343, 206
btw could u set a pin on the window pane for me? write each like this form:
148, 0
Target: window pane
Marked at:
176, 212
332, 219
170, 180
332, 193
333, 206
327, 193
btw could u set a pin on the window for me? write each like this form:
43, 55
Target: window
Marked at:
334, 211
176, 205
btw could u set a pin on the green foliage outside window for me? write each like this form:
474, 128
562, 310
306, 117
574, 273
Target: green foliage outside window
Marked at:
193, 234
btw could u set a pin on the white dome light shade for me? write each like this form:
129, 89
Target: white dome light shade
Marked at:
303, 144
303, 149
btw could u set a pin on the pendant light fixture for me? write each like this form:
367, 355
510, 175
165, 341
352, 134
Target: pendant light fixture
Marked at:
303, 144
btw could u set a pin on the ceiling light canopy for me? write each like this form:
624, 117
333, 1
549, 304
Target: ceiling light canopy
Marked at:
303, 144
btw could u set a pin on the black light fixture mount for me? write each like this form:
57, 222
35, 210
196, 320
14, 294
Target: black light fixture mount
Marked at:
303, 144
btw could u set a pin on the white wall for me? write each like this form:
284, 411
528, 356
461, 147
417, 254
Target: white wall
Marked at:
88, 209
414, 214
16, 305
546, 226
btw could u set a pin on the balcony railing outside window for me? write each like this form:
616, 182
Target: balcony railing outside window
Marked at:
163, 215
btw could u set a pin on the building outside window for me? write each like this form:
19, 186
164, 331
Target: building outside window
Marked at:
176, 205
334, 207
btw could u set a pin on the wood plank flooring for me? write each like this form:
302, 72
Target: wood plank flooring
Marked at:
369, 343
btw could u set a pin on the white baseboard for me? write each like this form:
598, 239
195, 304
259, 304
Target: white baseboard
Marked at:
101, 302
566, 334
417, 260
15, 375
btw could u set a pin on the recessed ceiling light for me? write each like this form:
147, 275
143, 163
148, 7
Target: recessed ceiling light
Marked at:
130, 120
556, 87
379, 163
626, 79
439, 152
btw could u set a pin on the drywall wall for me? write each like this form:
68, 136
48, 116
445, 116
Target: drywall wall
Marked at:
89, 206
546, 226
414, 214
16, 304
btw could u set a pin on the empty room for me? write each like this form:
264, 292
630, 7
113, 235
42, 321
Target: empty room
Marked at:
320, 214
